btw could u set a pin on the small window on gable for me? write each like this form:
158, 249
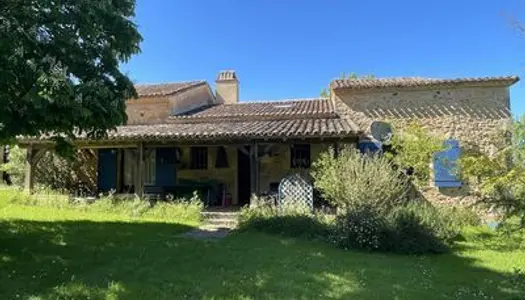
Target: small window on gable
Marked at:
199, 158
300, 156
221, 158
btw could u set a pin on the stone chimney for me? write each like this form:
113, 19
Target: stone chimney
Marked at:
227, 87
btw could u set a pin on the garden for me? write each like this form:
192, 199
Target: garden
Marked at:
379, 239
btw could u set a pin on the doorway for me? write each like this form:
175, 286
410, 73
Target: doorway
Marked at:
243, 177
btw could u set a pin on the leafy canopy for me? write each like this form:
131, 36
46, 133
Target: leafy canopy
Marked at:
499, 177
412, 146
59, 64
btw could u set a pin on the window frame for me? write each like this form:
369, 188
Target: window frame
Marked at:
300, 152
198, 158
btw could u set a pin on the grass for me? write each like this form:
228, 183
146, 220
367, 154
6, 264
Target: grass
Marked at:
63, 253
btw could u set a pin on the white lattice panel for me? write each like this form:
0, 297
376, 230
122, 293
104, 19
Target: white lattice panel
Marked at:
296, 190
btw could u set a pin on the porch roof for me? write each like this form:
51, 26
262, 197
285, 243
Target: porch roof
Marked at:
259, 129
296, 119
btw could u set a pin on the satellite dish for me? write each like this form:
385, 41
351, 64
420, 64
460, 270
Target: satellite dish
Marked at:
381, 131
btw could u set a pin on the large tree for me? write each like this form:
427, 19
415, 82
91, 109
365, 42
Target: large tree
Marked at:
59, 66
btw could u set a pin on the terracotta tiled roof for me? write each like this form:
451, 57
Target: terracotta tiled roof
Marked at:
290, 109
412, 82
165, 89
266, 129
295, 119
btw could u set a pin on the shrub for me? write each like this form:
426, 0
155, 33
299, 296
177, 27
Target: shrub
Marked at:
290, 221
411, 229
359, 228
417, 230
352, 179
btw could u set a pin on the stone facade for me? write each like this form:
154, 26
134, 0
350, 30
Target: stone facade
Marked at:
155, 110
147, 110
476, 116
473, 115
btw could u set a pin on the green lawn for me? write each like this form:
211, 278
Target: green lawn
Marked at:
49, 253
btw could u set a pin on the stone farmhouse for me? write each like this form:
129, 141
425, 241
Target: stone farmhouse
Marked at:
186, 136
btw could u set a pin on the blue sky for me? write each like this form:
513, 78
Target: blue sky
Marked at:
292, 48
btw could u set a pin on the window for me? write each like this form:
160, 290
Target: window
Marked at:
300, 156
446, 166
130, 168
150, 166
199, 158
221, 158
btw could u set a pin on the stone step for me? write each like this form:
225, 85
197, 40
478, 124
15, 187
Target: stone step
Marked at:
221, 222
219, 215
209, 227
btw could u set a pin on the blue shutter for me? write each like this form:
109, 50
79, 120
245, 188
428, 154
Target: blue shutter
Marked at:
165, 166
446, 165
369, 146
107, 170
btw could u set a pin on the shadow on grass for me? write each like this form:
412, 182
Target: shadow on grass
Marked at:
101, 260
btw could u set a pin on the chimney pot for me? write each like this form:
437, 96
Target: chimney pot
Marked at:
227, 87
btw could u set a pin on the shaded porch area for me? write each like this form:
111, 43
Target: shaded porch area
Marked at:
222, 173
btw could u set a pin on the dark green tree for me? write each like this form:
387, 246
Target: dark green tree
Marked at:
59, 67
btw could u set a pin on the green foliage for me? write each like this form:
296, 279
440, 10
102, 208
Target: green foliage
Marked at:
290, 221
414, 147
352, 179
62, 58
76, 176
414, 228
15, 166
359, 228
181, 209
49, 253
499, 177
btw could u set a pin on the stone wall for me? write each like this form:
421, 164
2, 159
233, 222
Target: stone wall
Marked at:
472, 115
147, 110
191, 99
151, 110
475, 116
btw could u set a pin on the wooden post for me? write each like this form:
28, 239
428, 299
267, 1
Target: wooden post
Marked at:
29, 180
139, 189
256, 156
33, 156
336, 149
254, 169
120, 154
